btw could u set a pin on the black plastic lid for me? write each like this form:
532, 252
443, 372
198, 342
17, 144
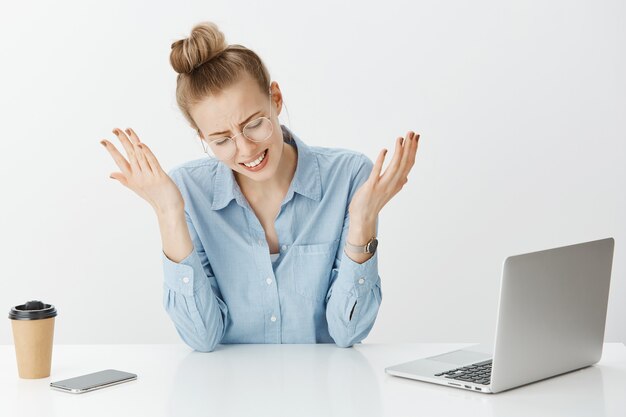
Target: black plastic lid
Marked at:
32, 310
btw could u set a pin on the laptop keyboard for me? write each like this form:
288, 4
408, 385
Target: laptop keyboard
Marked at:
478, 373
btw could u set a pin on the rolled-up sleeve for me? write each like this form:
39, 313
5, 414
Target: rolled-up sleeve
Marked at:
191, 298
355, 295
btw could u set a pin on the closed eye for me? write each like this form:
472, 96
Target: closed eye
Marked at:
241, 124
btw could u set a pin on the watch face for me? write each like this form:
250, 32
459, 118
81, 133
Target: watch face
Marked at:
371, 247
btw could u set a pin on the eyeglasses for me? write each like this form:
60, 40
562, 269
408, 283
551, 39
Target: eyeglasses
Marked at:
257, 130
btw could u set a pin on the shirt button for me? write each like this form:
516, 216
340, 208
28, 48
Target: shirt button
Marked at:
284, 247
361, 280
273, 318
186, 280
269, 281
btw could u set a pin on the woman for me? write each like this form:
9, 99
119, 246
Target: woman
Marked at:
270, 240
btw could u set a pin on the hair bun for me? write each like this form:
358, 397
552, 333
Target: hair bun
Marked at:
205, 42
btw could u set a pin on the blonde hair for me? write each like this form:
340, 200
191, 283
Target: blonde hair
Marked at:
206, 65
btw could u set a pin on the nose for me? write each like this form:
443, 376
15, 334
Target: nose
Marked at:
246, 148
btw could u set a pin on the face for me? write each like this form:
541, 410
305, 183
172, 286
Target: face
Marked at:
226, 114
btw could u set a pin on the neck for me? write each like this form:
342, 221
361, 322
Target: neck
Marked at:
278, 183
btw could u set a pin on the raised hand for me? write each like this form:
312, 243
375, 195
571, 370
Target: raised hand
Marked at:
370, 198
143, 174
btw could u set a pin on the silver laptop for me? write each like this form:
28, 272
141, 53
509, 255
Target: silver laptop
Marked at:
551, 320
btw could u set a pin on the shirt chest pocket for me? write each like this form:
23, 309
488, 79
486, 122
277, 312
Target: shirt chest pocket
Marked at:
312, 267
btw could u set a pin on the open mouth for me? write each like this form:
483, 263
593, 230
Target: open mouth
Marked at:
257, 164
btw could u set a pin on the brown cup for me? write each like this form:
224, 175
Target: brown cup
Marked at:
33, 332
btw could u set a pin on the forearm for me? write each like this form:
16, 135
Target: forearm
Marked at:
359, 233
175, 238
199, 318
354, 300
198, 314
196, 310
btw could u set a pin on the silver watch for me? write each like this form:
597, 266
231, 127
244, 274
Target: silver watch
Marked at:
370, 247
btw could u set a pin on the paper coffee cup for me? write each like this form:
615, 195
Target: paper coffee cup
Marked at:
33, 331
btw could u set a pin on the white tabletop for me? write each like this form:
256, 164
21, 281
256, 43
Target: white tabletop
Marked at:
294, 381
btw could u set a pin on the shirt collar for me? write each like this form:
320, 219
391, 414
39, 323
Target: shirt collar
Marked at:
306, 180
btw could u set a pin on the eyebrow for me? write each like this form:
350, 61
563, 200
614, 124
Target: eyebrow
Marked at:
242, 123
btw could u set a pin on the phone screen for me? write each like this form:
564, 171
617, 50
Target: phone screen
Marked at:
93, 381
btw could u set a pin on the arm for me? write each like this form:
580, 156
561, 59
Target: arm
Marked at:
354, 297
190, 293
355, 293
355, 284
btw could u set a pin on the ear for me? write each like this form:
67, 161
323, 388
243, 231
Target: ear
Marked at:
277, 97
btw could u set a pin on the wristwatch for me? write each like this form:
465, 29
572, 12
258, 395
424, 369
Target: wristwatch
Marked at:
370, 247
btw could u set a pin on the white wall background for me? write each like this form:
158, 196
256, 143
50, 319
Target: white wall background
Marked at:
520, 106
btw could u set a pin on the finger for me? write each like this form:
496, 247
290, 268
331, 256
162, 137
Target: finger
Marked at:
413, 150
119, 159
154, 163
132, 135
144, 163
120, 177
128, 146
392, 167
378, 166
410, 157
407, 149
141, 159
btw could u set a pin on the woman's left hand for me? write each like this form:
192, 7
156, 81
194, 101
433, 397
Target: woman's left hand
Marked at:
370, 198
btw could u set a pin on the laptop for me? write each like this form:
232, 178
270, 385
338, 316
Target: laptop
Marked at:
551, 320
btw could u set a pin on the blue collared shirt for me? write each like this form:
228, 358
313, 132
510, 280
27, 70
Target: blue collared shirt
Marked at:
228, 290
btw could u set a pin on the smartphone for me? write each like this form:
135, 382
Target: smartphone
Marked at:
94, 381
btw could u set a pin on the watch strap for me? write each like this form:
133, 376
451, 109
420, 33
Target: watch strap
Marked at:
367, 248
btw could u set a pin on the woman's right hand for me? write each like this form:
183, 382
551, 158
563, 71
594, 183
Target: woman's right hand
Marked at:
143, 174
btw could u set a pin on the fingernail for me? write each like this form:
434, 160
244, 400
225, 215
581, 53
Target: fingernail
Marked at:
128, 131
111, 177
114, 131
103, 143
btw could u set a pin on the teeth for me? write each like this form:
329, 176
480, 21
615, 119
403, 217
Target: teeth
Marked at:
256, 162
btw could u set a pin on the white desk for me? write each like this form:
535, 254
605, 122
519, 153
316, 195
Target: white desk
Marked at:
295, 381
